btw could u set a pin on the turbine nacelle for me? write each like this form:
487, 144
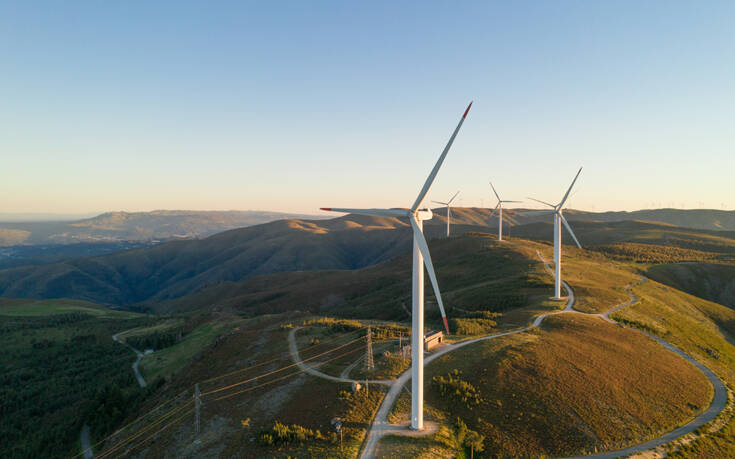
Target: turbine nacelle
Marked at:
424, 214
416, 214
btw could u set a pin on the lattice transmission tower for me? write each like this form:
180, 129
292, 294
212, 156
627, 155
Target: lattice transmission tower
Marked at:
369, 362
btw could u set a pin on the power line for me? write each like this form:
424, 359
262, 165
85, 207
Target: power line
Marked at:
175, 410
280, 369
282, 377
118, 431
163, 418
133, 422
159, 431
280, 357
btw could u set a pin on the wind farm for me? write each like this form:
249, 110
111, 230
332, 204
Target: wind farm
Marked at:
171, 286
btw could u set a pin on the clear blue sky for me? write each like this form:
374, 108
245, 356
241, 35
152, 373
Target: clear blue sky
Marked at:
295, 105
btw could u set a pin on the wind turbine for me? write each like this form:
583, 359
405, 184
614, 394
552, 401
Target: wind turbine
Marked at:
449, 212
558, 220
421, 256
499, 208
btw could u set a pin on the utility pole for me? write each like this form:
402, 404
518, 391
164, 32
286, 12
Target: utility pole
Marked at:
337, 423
197, 406
369, 363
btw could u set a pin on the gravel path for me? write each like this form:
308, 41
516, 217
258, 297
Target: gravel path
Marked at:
138, 376
86, 447
294, 350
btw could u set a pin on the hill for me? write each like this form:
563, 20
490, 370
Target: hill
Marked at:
178, 268
577, 383
133, 226
705, 219
711, 281
60, 369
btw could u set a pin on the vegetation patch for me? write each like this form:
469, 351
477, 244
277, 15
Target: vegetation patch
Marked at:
576, 385
452, 387
60, 370
704, 330
651, 253
472, 326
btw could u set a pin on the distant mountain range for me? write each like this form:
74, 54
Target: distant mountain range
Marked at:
178, 268
158, 225
707, 219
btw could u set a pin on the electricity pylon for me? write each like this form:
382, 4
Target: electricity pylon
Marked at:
369, 363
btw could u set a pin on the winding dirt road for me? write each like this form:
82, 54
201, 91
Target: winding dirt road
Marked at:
294, 350
381, 426
84, 439
138, 376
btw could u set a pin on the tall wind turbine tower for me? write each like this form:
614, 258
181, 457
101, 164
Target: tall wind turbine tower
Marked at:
558, 221
499, 209
449, 209
421, 256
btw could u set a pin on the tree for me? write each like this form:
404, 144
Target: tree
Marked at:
475, 441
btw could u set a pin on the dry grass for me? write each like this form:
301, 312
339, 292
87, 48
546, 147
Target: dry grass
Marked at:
576, 385
704, 330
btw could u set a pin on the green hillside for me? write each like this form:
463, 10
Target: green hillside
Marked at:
176, 269
714, 282
60, 369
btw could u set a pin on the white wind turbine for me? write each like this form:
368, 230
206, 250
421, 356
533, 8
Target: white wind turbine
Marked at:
421, 256
499, 209
558, 220
449, 211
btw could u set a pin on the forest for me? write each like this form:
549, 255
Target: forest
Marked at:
58, 372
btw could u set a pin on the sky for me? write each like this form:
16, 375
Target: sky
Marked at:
292, 106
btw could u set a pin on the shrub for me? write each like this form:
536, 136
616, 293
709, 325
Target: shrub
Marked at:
473, 326
452, 386
281, 433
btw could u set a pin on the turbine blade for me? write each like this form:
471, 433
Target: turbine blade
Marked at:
569, 228
561, 204
432, 175
511, 201
496, 193
542, 202
442, 203
495, 209
370, 212
455, 195
418, 236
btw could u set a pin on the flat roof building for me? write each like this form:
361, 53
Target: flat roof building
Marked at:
432, 340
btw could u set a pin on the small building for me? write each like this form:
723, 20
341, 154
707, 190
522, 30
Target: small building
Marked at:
432, 340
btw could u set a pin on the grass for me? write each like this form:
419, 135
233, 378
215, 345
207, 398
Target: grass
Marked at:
598, 284
257, 347
160, 327
574, 386
430, 447
704, 330
166, 362
711, 281
38, 308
